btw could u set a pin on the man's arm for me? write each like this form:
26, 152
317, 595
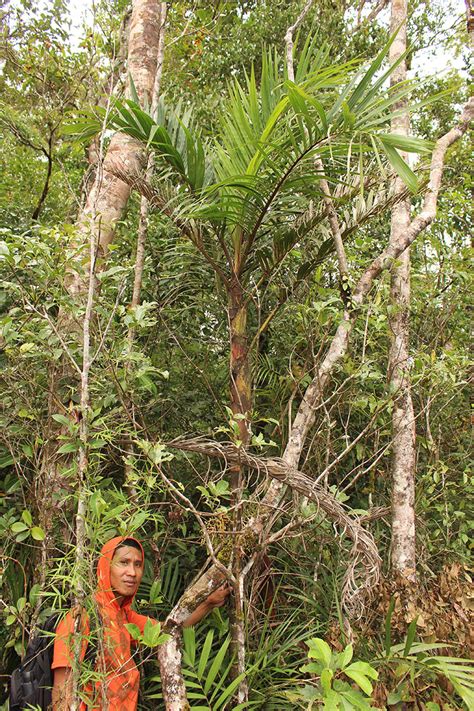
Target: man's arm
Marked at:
62, 689
215, 599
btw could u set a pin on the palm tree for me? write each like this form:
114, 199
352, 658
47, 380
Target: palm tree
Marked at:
250, 197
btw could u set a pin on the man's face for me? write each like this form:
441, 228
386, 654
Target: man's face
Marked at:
126, 571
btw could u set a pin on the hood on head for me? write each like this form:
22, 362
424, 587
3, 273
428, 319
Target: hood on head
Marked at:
105, 594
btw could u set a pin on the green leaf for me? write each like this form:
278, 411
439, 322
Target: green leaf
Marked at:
22, 536
133, 90
228, 692
206, 648
312, 668
326, 679
4, 250
6, 460
189, 642
216, 665
97, 443
400, 166
360, 680
138, 520
62, 419
410, 638
331, 701
19, 526
406, 143
344, 657
37, 533
27, 518
68, 447
134, 631
152, 635
319, 649
27, 450
20, 604
34, 592
356, 700
363, 668
349, 117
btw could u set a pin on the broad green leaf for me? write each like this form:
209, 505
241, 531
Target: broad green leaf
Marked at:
326, 679
312, 668
37, 533
20, 604
331, 701
344, 657
356, 700
362, 668
134, 631
319, 649
34, 592
19, 526
62, 419
27, 518
360, 680
68, 448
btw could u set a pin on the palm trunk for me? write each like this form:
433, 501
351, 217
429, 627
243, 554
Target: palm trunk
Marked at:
403, 421
240, 388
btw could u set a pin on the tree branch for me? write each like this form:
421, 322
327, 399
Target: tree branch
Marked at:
364, 555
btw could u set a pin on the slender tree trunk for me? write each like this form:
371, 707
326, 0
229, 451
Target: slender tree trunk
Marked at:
49, 170
82, 470
403, 420
240, 387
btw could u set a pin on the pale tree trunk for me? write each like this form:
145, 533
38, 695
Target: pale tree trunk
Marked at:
96, 222
82, 471
403, 552
143, 220
108, 196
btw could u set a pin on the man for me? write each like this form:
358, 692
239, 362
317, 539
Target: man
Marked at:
119, 573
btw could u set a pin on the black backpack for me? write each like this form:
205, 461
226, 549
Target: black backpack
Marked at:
31, 684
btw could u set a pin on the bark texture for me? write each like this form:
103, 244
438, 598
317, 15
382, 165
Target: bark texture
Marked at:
403, 420
240, 391
108, 196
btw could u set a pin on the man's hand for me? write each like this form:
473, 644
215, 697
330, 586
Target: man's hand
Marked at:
215, 599
219, 596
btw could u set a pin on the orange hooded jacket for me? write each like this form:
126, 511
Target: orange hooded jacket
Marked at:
122, 676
